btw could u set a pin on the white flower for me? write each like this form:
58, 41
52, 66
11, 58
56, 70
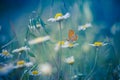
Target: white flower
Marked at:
115, 28
39, 40
59, 17
77, 76
70, 60
84, 27
35, 73
65, 44
5, 54
6, 68
22, 63
45, 69
25, 48
69, 45
98, 44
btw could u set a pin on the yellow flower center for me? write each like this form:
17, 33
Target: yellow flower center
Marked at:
71, 62
22, 62
61, 43
70, 44
58, 15
98, 43
35, 72
5, 53
84, 26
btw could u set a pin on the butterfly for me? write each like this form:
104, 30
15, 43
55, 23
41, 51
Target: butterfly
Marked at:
72, 36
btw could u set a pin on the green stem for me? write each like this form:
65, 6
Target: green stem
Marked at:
96, 57
70, 72
60, 53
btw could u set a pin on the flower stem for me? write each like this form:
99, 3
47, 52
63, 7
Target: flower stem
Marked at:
60, 53
71, 71
95, 62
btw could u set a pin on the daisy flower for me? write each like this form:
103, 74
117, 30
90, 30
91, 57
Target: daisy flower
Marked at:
69, 45
84, 27
57, 46
77, 76
25, 48
70, 60
39, 40
5, 54
34, 73
98, 44
59, 17
45, 69
6, 68
22, 63
65, 44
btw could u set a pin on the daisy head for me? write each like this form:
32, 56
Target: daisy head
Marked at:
5, 54
34, 73
21, 49
59, 17
98, 44
22, 63
65, 44
70, 60
6, 68
69, 45
61, 43
39, 40
57, 46
46, 69
84, 27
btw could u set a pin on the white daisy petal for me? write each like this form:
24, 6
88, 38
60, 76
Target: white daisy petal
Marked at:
52, 20
59, 17
24, 48
84, 27
91, 44
70, 60
39, 40
67, 15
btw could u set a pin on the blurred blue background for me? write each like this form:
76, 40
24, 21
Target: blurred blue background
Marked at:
103, 14
103, 11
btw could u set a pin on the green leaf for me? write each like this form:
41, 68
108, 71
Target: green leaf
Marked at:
31, 54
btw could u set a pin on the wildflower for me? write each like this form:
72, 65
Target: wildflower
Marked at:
22, 63
98, 44
25, 48
57, 46
115, 28
39, 40
46, 69
6, 54
65, 44
59, 17
84, 27
34, 73
77, 76
69, 45
70, 60
6, 68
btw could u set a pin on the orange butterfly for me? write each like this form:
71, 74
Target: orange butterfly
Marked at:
72, 36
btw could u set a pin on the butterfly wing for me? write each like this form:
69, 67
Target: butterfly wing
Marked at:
72, 36
71, 33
